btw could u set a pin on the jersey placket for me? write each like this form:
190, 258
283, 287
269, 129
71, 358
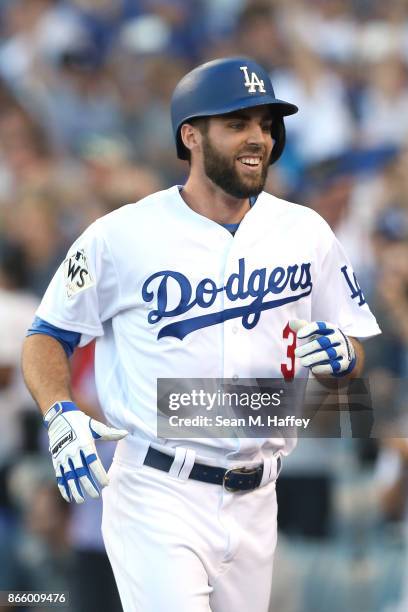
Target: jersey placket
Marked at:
237, 350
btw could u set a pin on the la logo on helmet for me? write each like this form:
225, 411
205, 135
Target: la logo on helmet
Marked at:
253, 82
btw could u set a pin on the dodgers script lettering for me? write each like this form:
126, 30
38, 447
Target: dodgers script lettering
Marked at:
239, 286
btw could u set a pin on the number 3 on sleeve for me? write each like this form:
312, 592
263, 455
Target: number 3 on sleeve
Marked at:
288, 368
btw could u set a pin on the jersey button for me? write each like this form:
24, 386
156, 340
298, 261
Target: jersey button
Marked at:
235, 329
235, 377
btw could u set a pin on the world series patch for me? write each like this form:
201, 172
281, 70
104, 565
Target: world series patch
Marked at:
77, 274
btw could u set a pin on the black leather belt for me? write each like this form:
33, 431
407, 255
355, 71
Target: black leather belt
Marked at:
236, 479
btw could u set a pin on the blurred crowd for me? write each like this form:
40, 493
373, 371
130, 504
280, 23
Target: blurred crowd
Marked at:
85, 128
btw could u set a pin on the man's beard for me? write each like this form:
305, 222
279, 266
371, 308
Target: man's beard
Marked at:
222, 171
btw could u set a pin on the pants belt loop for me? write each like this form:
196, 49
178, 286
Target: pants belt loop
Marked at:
188, 464
267, 470
182, 464
131, 450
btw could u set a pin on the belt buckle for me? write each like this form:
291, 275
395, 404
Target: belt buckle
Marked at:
237, 472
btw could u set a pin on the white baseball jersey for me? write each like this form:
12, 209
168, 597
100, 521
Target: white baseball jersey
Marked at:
168, 293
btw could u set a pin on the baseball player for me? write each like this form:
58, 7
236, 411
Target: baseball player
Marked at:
211, 279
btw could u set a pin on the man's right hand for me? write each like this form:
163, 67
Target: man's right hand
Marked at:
72, 437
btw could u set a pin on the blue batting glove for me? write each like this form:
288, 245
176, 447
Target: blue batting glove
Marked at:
72, 437
328, 351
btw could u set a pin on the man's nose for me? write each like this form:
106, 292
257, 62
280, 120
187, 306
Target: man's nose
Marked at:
256, 134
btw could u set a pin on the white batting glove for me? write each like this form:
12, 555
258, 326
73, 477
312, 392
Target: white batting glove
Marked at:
328, 351
72, 437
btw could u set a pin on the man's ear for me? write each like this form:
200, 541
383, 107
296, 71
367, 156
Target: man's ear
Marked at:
190, 136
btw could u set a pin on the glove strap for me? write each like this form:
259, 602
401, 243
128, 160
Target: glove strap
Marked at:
57, 409
349, 369
351, 353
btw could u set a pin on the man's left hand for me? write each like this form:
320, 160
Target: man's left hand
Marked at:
327, 352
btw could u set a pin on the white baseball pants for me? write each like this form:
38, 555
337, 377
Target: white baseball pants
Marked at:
180, 545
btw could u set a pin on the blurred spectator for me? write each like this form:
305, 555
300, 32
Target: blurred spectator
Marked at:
24, 153
102, 18
39, 556
80, 100
327, 27
383, 33
258, 34
34, 225
392, 478
392, 304
349, 191
146, 84
384, 118
17, 308
112, 177
222, 16
33, 31
324, 127
50, 560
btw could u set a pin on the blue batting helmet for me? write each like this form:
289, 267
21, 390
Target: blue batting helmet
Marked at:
223, 86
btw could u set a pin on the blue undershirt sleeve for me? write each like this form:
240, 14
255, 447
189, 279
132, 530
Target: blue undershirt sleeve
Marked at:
69, 340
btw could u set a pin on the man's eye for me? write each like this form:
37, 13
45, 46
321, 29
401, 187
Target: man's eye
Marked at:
266, 127
237, 125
